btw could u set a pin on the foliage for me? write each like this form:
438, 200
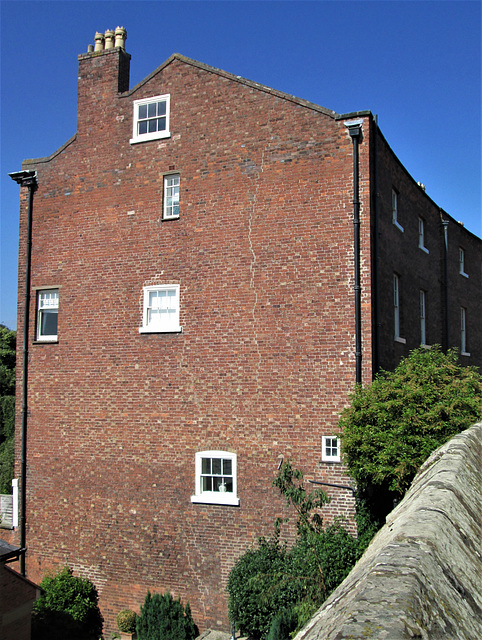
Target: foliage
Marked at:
274, 578
283, 624
163, 618
67, 608
296, 496
260, 584
392, 426
127, 620
7, 407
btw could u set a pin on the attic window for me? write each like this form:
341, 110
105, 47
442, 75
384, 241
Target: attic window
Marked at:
151, 119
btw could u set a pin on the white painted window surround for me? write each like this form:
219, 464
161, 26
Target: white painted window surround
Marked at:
330, 449
421, 235
215, 478
462, 263
170, 209
47, 314
161, 308
395, 210
151, 119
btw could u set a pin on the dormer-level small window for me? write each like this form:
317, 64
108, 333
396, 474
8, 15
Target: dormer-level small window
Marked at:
151, 119
421, 235
462, 263
395, 219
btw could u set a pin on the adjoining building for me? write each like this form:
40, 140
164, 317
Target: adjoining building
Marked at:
214, 265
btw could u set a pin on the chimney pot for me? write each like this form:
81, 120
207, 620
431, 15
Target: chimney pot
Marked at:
120, 37
90, 48
109, 39
99, 41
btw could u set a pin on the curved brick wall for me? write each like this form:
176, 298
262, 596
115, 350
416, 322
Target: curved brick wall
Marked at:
421, 575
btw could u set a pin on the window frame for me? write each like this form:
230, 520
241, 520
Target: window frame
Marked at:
39, 336
462, 262
166, 186
154, 135
423, 317
463, 332
396, 309
215, 497
421, 235
330, 457
150, 327
395, 221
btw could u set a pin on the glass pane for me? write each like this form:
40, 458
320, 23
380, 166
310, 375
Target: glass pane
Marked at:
161, 124
175, 210
227, 467
206, 465
48, 323
142, 111
206, 483
161, 108
216, 466
152, 126
142, 127
229, 484
151, 110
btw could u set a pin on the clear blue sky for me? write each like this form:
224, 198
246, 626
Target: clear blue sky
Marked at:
415, 64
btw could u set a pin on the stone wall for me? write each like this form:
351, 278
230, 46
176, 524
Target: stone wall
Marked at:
420, 577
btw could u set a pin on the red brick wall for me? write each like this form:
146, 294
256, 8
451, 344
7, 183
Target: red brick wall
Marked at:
263, 253
399, 253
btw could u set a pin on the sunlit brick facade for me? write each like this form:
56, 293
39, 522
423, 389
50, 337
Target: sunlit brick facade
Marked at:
196, 262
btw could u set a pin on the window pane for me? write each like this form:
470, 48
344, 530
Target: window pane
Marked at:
142, 111
229, 484
161, 124
216, 466
48, 323
206, 465
151, 110
227, 467
207, 483
161, 108
142, 127
151, 126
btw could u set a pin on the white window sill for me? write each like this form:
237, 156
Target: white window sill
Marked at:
464, 353
52, 340
167, 218
462, 273
333, 459
424, 249
147, 137
216, 497
398, 225
426, 346
401, 340
158, 330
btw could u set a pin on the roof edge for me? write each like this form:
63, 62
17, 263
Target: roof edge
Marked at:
240, 80
30, 161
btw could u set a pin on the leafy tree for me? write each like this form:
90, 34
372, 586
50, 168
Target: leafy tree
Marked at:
393, 425
67, 608
7, 407
163, 618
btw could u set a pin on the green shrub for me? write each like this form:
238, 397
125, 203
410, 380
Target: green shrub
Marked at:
127, 621
67, 608
394, 424
283, 624
163, 618
259, 585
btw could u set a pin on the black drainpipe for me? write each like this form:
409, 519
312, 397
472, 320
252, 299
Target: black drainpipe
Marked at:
446, 342
25, 179
355, 131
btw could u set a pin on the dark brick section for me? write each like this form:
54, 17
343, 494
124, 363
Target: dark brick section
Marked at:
263, 254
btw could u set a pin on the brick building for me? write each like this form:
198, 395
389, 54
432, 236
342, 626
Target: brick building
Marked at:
202, 304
